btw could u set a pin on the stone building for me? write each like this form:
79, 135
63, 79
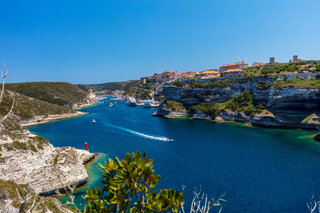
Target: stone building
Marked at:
272, 60
233, 73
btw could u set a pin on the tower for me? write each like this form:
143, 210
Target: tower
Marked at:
271, 60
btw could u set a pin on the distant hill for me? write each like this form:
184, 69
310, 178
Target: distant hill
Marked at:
59, 93
26, 107
122, 85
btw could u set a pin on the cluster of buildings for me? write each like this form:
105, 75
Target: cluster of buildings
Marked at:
227, 70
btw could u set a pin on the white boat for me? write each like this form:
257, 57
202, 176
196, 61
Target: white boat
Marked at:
131, 101
93, 121
110, 105
117, 98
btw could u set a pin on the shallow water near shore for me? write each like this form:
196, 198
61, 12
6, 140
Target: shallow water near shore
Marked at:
258, 170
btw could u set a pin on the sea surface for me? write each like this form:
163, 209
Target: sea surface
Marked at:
258, 170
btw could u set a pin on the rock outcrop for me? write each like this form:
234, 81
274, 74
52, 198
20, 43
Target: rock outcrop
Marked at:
90, 100
288, 107
165, 112
11, 196
32, 159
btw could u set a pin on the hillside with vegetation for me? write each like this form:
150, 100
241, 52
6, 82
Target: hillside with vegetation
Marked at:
27, 107
243, 103
122, 85
59, 93
287, 68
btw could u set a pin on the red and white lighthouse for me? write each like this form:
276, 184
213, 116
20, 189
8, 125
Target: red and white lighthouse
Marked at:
86, 146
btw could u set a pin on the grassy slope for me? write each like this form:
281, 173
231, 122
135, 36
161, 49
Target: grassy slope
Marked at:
59, 93
299, 83
298, 67
26, 107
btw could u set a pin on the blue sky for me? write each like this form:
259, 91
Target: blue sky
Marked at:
96, 41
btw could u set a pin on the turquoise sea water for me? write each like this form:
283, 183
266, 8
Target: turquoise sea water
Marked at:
258, 170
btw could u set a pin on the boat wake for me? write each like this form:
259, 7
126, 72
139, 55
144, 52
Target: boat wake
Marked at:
142, 134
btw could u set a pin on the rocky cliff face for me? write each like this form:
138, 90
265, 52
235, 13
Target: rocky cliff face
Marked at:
27, 158
165, 112
90, 100
288, 107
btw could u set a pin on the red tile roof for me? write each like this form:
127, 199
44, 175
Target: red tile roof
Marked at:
238, 63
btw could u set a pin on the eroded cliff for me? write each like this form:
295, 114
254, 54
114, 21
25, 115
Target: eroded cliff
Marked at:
287, 107
27, 158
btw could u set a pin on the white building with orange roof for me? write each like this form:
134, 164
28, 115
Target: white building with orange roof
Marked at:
188, 74
238, 65
209, 73
258, 64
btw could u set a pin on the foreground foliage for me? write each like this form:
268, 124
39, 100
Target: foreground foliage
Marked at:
128, 187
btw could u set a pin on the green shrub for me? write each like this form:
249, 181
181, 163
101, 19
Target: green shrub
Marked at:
32, 147
20, 145
9, 147
263, 86
210, 85
179, 84
210, 109
175, 106
132, 177
244, 103
2, 160
298, 83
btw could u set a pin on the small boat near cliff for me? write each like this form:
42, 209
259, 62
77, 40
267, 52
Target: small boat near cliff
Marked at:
93, 120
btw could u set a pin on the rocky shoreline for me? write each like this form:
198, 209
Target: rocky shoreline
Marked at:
263, 119
287, 107
47, 169
37, 120
28, 158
